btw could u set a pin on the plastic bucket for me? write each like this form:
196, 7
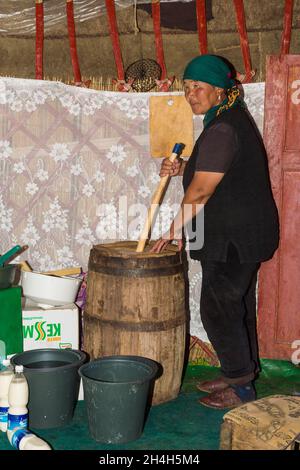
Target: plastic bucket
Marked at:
7, 275
53, 381
116, 389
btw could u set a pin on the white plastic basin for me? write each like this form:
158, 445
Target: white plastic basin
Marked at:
49, 290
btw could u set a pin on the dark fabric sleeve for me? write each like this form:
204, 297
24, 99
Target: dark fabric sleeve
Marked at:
218, 149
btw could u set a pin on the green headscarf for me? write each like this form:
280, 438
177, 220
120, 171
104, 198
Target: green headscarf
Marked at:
214, 70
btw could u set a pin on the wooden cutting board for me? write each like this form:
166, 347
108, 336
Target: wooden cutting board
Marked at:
171, 122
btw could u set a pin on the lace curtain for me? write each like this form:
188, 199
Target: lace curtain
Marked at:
71, 161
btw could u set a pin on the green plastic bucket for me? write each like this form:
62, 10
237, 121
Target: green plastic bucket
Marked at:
116, 389
53, 382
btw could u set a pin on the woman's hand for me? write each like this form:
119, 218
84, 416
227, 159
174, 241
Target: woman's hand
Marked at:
170, 169
162, 243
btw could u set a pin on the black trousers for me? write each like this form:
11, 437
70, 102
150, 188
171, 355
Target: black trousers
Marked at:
228, 314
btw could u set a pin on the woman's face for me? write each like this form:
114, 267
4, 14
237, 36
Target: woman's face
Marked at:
202, 96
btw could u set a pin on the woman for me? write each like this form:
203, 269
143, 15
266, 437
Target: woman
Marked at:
227, 174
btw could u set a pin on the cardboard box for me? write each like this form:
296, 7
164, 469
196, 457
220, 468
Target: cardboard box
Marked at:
54, 327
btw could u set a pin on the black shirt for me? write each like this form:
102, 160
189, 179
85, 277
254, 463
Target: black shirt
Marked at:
242, 210
218, 148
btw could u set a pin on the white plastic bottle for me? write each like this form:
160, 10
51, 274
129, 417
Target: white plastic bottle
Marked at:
23, 439
6, 376
17, 399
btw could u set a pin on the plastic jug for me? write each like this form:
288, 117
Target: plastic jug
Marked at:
17, 399
22, 439
6, 376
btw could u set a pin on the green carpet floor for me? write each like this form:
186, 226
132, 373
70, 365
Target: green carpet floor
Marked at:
180, 424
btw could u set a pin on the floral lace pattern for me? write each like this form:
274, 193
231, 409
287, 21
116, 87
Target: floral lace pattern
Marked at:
69, 158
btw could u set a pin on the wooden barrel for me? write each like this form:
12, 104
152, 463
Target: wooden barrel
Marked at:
136, 306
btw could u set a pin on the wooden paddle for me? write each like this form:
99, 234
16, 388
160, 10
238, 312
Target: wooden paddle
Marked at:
156, 200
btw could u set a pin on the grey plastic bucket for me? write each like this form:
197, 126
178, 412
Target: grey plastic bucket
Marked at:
116, 389
53, 381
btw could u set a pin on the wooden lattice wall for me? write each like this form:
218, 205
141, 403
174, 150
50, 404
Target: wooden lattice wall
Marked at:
165, 82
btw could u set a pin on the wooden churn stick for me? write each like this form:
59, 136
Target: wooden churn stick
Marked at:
156, 200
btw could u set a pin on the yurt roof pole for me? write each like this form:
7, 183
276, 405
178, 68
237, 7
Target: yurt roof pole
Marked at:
287, 28
202, 25
39, 38
158, 38
241, 25
72, 41
114, 34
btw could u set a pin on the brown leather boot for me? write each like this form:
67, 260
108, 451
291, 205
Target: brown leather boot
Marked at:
221, 399
212, 385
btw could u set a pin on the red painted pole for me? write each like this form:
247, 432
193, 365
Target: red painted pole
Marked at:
114, 34
287, 27
39, 38
158, 38
202, 25
241, 25
72, 41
